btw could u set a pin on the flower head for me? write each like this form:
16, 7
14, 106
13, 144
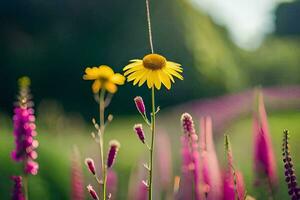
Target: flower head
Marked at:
140, 106
92, 192
24, 129
155, 69
17, 193
90, 165
138, 129
104, 77
114, 147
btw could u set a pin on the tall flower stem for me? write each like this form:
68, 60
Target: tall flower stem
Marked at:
152, 144
25, 185
101, 133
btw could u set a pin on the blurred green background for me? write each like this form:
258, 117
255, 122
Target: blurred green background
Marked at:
224, 48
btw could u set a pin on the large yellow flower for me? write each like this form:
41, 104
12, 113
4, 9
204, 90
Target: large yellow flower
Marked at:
155, 69
104, 78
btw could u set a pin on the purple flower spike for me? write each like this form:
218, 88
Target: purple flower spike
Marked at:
24, 130
140, 106
190, 184
17, 193
290, 176
90, 165
114, 147
264, 158
92, 192
138, 128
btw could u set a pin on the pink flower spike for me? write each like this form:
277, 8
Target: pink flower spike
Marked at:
209, 165
90, 165
92, 192
264, 158
140, 106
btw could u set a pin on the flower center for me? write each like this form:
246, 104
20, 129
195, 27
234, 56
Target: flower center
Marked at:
154, 61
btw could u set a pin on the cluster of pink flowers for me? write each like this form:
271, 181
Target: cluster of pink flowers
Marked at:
24, 132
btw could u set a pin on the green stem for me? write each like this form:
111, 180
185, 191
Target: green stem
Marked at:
102, 128
152, 145
25, 182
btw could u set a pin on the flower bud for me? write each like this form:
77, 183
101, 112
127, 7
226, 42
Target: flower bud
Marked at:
92, 192
90, 165
113, 149
140, 106
138, 128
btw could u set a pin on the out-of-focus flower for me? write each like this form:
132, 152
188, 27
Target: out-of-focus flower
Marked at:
90, 165
24, 129
138, 129
77, 192
112, 183
140, 106
17, 193
190, 181
92, 192
114, 146
164, 161
264, 159
210, 171
289, 172
104, 77
155, 69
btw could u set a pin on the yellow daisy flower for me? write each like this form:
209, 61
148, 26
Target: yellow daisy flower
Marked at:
104, 78
155, 69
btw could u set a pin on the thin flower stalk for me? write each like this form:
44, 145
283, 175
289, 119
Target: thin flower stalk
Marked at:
104, 86
289, 171
155, 70
233, 184
25, 133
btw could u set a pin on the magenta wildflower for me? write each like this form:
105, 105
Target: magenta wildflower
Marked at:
77, 187
112, 183
113, 150
24, 130
138, 128
290, 176
92, 192
90, 165
264, 159
140, 106
190, 184
17, 193
209, 165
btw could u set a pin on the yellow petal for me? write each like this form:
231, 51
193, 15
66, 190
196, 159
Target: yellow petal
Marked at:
165, 79
110, 87
144, 78
96, 86
105, 71
135, 68
174, 63
91, 73
118, 79
134, 75
138, 77
174, 73
156, 79
150, 80
131, 65
170, 76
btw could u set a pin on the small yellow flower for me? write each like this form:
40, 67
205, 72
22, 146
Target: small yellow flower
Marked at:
104, 78
155, 69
